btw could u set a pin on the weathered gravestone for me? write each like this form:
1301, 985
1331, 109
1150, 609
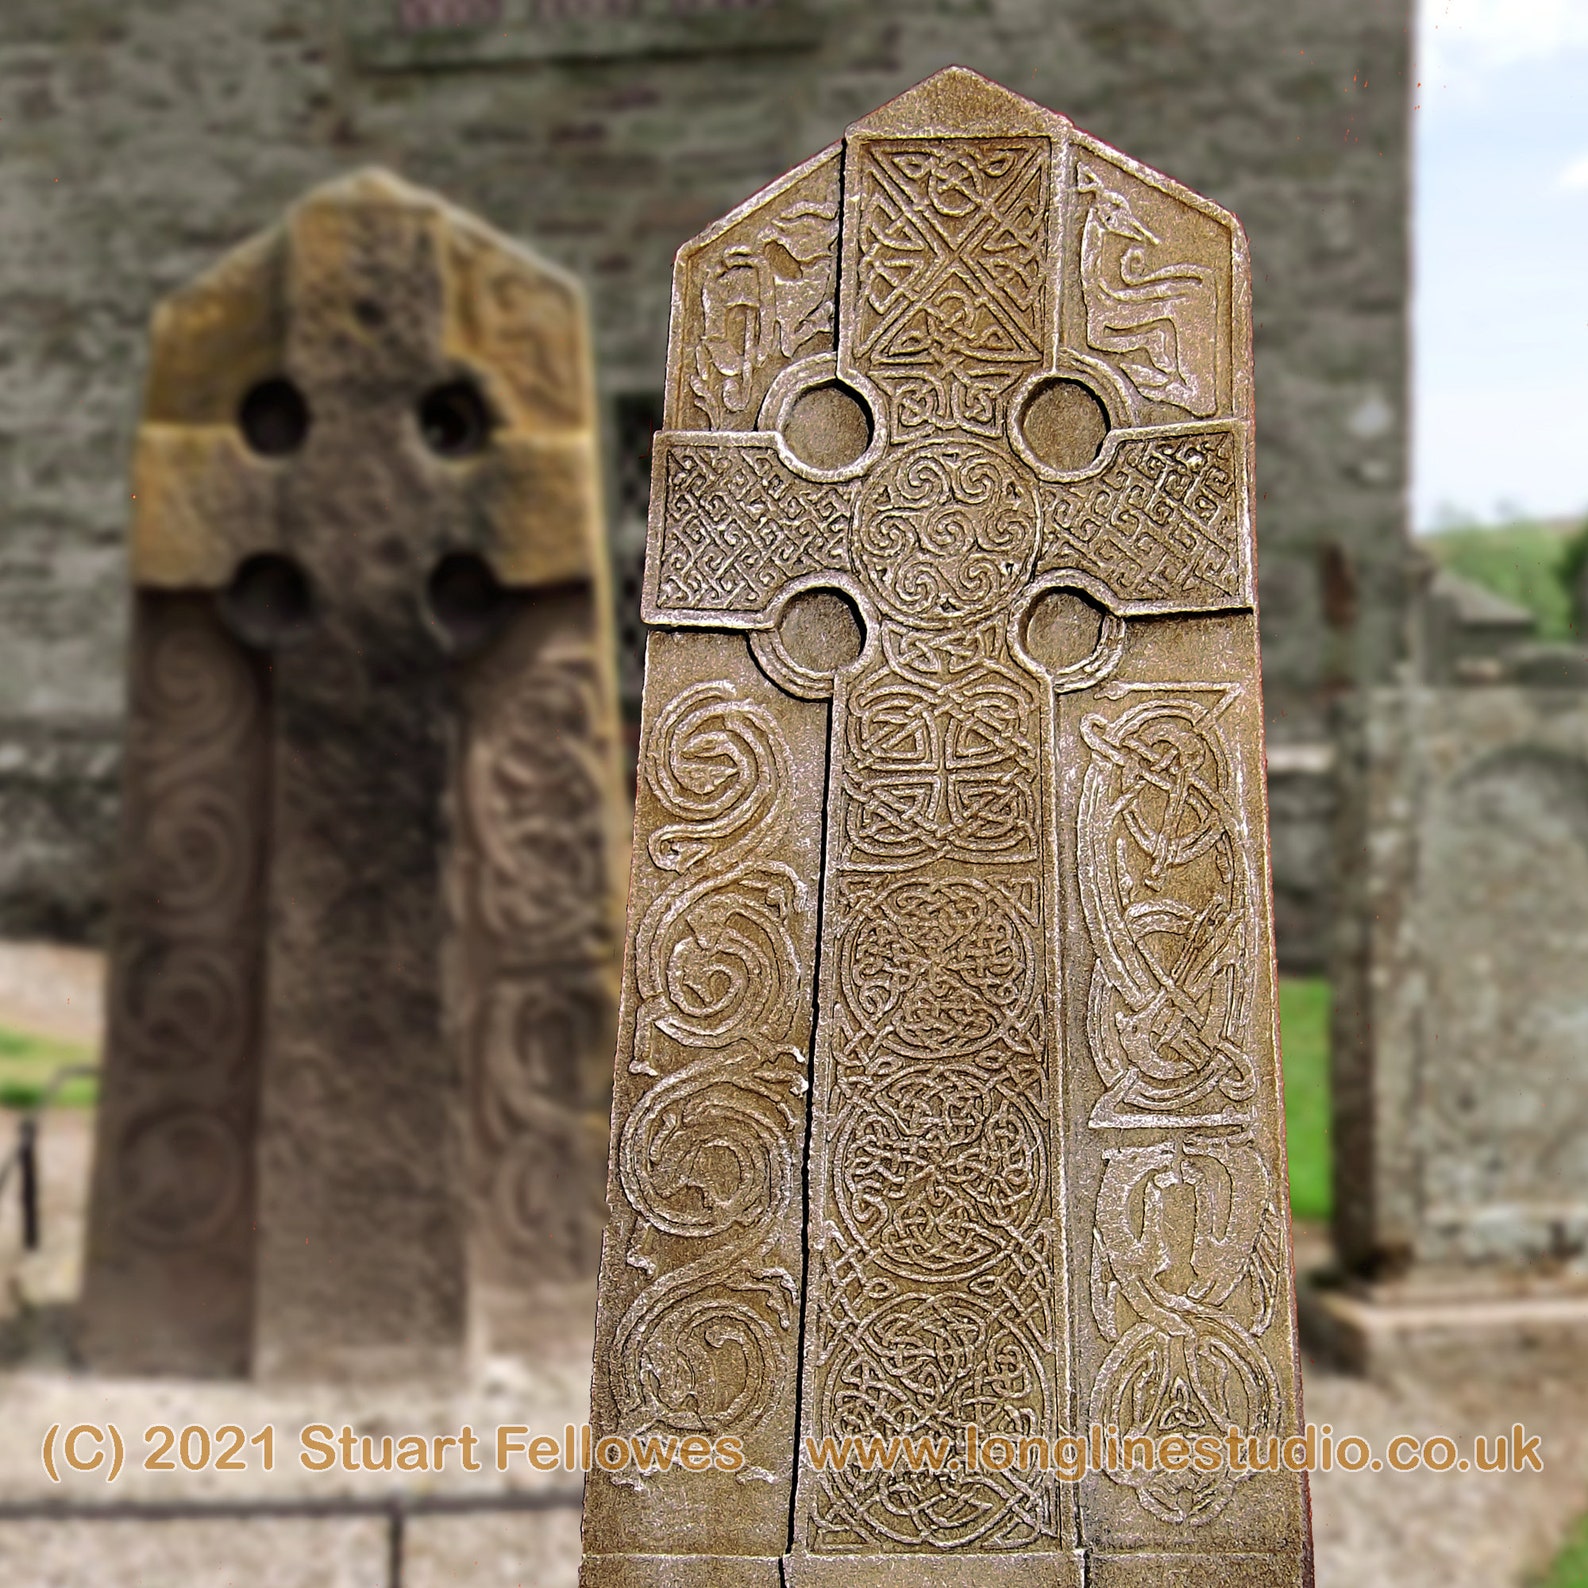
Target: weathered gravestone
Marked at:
1460, 1071
947, 1085
1462, 633
363, 980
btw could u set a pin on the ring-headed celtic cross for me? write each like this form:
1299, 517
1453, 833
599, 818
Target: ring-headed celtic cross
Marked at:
363, 966
947, 1088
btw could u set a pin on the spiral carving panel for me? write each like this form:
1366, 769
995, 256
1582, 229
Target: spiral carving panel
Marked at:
945, 533
718, 968
987, 549
534, 976
698, 1328
173, 1190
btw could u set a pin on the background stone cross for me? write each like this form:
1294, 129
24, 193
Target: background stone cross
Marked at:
366, 910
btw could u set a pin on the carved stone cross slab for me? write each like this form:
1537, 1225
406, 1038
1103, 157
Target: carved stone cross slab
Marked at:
364, 966
1460, 1030
947, 1081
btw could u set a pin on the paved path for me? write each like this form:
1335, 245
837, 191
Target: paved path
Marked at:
52, 991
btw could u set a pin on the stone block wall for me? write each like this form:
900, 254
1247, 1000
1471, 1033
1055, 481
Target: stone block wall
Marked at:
139, 139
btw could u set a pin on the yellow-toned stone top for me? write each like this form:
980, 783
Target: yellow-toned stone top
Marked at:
371, 293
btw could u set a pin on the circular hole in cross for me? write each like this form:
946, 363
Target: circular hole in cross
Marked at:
454, 420
827, 427
1064, 424
269, 602
466, 601
273, 417
821, 631
1063, 629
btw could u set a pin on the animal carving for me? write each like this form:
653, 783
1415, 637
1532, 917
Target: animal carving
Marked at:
763, 301
1167, 316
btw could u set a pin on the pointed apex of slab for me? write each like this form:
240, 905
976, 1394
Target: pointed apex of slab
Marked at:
961, 103
371, 184
375, 187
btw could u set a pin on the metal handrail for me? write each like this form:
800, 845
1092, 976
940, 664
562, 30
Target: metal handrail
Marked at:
24, 1157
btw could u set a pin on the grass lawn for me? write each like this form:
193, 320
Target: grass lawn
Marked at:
1304, 1036
27, 1062
1571, 1565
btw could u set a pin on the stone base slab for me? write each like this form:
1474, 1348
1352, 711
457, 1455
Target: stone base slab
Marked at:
968, 1570
1384, 1334
679, 1571
1229, 1570
954, 1570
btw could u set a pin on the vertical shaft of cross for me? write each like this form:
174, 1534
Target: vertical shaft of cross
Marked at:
934, 1213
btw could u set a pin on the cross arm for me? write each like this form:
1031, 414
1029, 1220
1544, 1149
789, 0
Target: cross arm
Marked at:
733, 525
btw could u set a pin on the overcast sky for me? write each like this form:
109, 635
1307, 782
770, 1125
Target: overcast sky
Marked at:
1501, 308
